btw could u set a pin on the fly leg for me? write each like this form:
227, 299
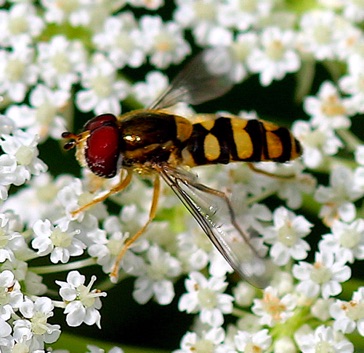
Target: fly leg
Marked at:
272, 175
130, 241
123, 183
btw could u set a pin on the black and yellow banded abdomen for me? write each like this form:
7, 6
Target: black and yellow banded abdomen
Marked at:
225, 140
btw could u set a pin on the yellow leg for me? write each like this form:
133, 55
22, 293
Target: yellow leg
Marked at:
130, 241
123, 183
272, 175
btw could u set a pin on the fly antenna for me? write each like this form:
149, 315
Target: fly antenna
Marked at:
70, 144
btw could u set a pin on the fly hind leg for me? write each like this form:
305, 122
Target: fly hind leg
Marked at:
269, 174
130, 241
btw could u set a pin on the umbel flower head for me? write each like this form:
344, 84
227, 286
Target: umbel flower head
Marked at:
299, 64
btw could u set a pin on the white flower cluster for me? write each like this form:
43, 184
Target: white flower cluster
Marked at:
60, 57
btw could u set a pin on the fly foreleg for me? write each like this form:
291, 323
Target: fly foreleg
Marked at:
123, 183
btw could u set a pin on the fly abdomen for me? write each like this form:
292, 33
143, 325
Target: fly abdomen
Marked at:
225, 140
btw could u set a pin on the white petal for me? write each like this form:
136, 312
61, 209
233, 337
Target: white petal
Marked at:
164, 292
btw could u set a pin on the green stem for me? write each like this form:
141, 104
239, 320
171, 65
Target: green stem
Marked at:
301, 315
74, 343
304, 80
62, 268
349, 287
240, 312
351, 140
335, 69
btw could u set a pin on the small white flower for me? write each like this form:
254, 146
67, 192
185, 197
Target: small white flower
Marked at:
349, 315
77, 13
241, 48
72, 197
164, 41
148, 4
241, 14
253, 342
60, 62
156, 277
57, 241
251, 217
284, 344
244, 294
5, 331
8, 174
321, 308
208, 341
7, 126
359, 155
81, 303
19, 21
292, 190
328, 110
155, 83
346, 240
133, 216
18, 267
220, 37
34, 326
316, 143
11, 242
359, 177
17, 71
338, 198
332, 4
42, 118
10, 295
324, 339
219, 267
353, 10
238, 50
323, 277
199, 15
121, 40
319, 33
34, 283
349, 41
283, 282
107, 244
22, 146
276, 57
250, 323
102, 90
272, 309
286, 236
207, 297
95, 349
353, 82
41, 192
193, 249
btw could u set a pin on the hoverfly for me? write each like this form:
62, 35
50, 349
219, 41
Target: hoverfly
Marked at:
154, 142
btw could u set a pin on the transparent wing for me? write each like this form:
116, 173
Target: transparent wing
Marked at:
213, 211
204, 78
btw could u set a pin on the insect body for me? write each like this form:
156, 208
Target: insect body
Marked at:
152, 141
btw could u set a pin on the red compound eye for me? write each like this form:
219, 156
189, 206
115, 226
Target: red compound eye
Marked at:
103, 145
100, 120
